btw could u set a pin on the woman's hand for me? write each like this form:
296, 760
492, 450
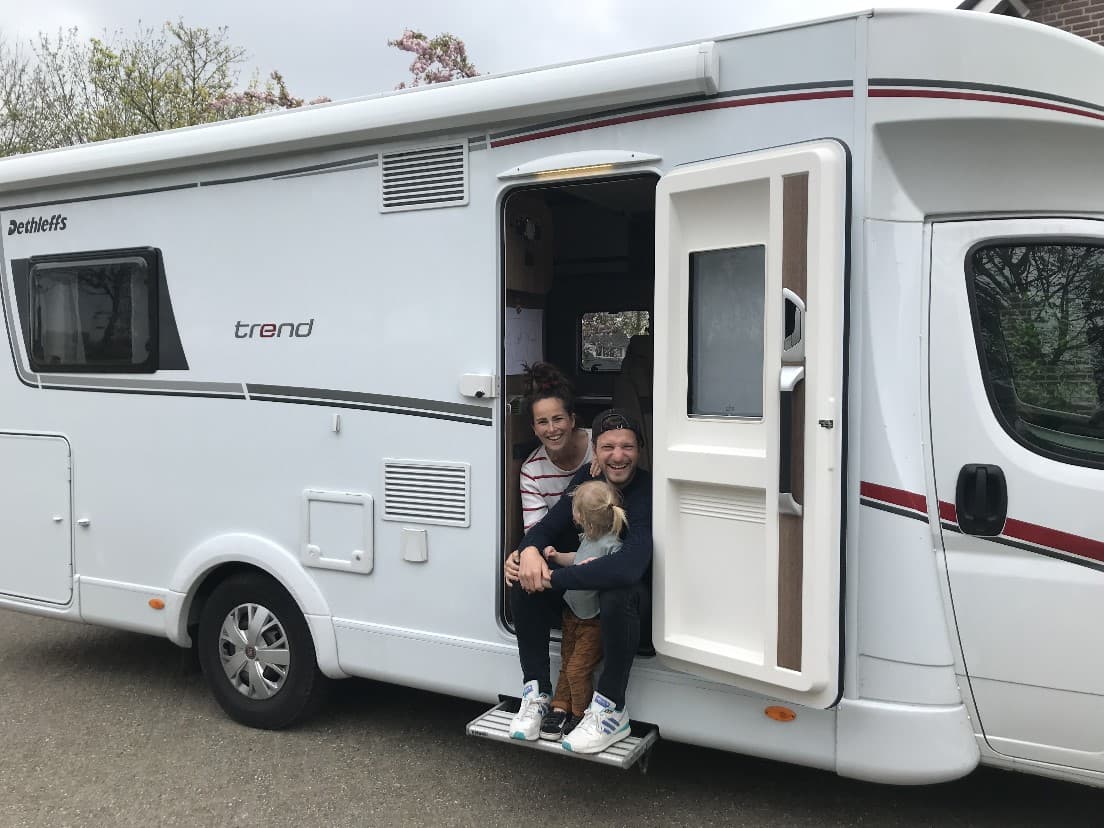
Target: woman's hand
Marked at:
595, 467
513, 563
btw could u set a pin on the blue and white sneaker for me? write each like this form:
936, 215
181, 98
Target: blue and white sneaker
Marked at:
602, 725
526, 723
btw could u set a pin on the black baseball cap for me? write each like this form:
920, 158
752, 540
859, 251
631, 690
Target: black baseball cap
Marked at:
613, 419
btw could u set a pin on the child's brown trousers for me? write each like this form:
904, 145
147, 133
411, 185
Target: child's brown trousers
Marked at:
581, 650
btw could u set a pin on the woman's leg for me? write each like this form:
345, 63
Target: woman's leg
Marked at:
534, 613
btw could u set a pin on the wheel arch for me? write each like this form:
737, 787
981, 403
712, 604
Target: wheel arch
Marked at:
215, 560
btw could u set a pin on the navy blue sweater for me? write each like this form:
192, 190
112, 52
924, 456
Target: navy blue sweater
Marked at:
622, 568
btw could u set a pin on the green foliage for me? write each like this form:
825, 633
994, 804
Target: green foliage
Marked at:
68, 90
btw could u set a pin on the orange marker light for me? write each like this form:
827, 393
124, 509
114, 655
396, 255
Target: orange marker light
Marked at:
156, 603
780, 714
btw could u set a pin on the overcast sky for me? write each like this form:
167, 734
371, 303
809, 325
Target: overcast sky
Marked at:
339, 47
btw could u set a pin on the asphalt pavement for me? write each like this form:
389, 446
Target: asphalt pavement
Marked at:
106, 728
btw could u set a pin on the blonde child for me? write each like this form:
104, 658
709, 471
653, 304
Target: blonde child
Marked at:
596, 508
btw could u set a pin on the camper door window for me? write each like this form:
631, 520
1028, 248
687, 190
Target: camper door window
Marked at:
94, 315
727, 292
1038, 312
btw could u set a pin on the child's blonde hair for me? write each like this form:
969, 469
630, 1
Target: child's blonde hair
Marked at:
596, 507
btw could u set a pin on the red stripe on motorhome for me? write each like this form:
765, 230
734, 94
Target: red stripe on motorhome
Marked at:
1017, 530
984, 97
678, 110
897, 497
1053, 539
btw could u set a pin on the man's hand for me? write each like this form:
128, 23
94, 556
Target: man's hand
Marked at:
533, 572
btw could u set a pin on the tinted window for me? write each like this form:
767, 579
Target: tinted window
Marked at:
93, 315
1039, 313
604, 337
726, 332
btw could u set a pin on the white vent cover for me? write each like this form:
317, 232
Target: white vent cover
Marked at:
417, 491
422, 178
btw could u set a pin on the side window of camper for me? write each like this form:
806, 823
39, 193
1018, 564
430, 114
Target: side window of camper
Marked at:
1038, 312
604, 337
93, 314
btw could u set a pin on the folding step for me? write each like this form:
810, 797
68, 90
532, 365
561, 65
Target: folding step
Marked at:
634, 749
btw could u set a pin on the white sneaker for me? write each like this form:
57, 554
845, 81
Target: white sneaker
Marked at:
526, 723
602, 725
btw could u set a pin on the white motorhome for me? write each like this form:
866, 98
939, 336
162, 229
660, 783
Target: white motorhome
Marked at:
263, 380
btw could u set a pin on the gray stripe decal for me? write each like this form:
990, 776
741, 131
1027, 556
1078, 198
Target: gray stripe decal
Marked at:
893, 510
101, 197
329, 166
431, 409
76, 381
432, 415
661, 105
333, 166
363, 166
983, 87
477, 412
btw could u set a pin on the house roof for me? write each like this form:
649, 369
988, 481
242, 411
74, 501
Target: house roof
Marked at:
1013, 8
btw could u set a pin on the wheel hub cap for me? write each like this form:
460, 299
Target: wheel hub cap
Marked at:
254, 651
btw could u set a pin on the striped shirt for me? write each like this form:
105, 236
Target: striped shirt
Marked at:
543, 483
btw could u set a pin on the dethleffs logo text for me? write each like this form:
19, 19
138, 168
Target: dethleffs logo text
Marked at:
272, 330
39, 224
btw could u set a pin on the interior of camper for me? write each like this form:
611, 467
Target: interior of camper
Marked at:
578, 292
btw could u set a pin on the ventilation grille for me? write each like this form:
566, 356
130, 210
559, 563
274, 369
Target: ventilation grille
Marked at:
420, 492
743, 505
423, 178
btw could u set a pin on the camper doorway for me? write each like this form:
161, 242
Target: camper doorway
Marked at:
578, 287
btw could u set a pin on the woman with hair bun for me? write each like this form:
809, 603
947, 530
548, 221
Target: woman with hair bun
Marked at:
564, 447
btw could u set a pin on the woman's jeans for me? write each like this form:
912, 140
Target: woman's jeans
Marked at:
624, 612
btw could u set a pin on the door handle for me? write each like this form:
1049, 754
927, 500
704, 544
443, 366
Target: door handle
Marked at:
981, 499
793, 372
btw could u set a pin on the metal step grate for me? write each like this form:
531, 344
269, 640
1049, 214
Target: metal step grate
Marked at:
495, 724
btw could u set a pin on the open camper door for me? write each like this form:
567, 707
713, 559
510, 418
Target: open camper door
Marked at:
749, 371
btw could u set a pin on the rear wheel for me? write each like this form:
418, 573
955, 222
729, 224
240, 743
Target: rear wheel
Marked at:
257, 653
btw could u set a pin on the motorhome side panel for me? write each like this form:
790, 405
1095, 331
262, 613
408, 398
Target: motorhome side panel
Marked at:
294, 288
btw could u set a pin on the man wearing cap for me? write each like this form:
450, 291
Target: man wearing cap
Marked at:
622, 580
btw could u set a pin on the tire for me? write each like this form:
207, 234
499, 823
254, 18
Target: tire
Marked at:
257, 653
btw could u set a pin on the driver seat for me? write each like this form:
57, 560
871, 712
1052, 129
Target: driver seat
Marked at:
632, 390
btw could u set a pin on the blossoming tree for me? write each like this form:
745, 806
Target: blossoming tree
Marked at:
436, 60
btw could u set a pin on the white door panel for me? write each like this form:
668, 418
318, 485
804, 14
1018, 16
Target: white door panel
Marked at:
1028, 592
35, 561
747, 497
